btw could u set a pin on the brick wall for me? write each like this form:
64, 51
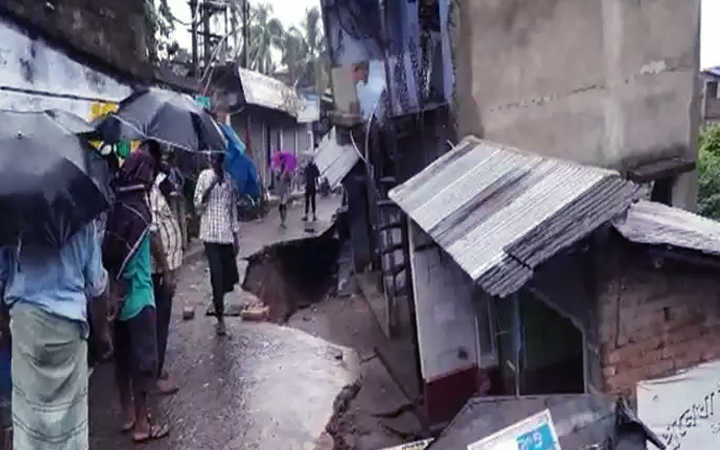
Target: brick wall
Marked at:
108, 33
653, 319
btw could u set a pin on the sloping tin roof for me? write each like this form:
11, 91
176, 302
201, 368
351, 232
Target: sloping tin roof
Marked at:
714, 71
262, 90
335, 161
499, 212
657, 224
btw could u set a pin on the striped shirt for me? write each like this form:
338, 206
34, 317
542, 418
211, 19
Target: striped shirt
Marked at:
218, 215
165, 223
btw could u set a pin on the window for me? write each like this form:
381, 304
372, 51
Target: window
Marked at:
711, 89
662, 191
528, 347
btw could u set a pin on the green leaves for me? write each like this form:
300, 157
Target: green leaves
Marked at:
709, 172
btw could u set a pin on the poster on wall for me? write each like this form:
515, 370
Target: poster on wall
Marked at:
681, 409
534, 433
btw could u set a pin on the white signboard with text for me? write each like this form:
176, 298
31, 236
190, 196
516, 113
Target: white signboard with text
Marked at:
534, 433
684, 410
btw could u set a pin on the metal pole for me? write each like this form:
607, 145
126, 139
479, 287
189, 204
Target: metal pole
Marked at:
517, 332
193, 31
246, 33
225, 44
206, 33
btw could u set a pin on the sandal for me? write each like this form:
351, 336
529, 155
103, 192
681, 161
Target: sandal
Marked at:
128, 426
156, 432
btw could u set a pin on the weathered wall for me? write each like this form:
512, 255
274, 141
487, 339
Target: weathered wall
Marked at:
110, 34
607, 82
654, 321
446, 325
37, 76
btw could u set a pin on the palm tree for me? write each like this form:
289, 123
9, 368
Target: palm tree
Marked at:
304, 51
294, 55
266, 33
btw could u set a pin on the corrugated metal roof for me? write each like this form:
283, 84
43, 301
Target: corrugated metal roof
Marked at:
714, 71
335, 161
654, 223
500, 212
262, 90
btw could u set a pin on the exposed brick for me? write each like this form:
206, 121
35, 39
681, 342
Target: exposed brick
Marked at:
684, 334
689, 360
660, 368
711, 354
643, 359
694, 319
633, 350
668, 321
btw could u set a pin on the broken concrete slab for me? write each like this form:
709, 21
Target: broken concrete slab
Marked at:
295, 389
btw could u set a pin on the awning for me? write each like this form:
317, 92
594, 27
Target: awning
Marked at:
262, 90
335, 161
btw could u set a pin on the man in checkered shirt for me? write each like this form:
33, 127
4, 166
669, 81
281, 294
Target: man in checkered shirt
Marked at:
216, 203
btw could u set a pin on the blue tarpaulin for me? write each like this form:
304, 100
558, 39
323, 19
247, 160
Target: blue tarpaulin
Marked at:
240, 167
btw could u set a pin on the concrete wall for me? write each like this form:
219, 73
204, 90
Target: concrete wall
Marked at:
110, 34
606, 82
654, 321
36, 76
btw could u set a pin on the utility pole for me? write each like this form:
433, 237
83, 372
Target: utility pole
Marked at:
193, 31
207, 51
246, 41
226, 32
246, 32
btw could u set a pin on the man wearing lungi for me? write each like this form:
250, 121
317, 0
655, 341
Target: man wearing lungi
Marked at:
46, 290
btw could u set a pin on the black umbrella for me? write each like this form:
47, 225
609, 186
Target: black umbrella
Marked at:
46, 194
165, 116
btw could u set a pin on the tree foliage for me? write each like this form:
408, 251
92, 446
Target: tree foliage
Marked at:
265, 34
160, 25
304, 52
709, 169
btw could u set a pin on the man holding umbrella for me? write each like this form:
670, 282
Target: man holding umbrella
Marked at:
47, 267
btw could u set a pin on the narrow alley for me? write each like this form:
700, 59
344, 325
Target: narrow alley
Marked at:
268, 386
359, 224
274, 384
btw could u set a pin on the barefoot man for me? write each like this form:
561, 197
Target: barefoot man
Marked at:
126, 252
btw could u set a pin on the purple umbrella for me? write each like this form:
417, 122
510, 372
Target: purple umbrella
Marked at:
285, 160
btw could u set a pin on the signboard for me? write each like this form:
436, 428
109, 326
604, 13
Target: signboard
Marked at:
203, 101
534, 433
681, 409
308, 109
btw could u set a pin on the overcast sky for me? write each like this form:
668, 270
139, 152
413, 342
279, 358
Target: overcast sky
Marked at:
710, 34
290, 12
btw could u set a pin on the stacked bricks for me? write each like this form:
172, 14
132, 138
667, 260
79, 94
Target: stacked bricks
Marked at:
655, 321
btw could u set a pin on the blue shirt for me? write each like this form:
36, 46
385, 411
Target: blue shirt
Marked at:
56, 280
